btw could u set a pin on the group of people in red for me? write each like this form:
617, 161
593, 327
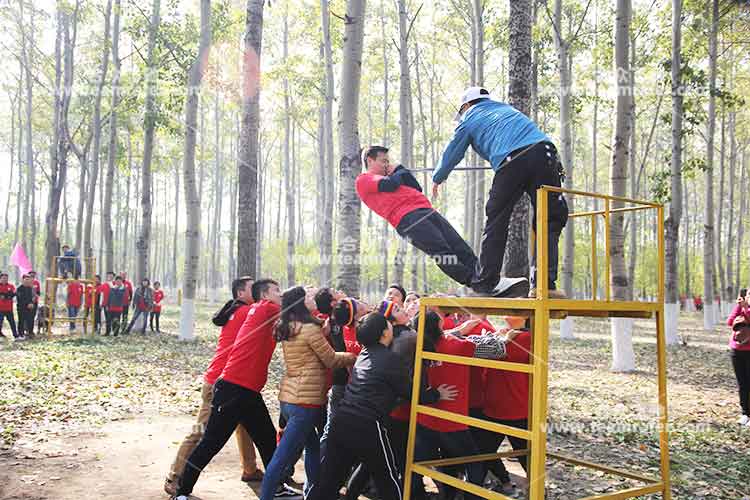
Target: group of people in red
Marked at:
26, 297
113, 297
344, 396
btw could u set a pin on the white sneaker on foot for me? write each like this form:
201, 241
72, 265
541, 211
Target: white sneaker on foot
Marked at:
744, 420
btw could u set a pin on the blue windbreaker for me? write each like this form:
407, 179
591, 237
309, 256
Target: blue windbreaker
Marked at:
494, 129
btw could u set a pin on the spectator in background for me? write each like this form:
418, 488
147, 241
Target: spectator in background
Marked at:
143, 301
69, 262
115, 305
739, 345
92, 302
156, 310
128, 296
7, 293
26, 298
104, 290
75, 296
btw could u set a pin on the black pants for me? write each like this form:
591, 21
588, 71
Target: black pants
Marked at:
489, 442
12, 320
528, 169
125, 313
26, 322
97, 317
430, 232
741, 364
113, 322
231, 405
137, 314
398, 430
155, 316
352, 441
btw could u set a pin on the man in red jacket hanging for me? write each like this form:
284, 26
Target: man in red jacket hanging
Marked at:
7, 293
395, 195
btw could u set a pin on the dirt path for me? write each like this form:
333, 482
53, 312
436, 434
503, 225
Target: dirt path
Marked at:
123, 459
126, 459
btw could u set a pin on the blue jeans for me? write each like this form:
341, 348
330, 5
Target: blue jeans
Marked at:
73, 313
299, 433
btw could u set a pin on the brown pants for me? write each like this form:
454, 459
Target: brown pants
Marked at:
244, 443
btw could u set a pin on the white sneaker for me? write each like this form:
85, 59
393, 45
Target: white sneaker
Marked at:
286, 491
744, 420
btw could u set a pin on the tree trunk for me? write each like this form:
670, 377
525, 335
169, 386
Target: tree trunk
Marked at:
564, 67
288, 174
405, 118
176, 222
109, 253
386, 141
143, 243
27, 58
623, 356
516, 260
479, 177
327, 168
731, 291
633, 216
247, 170
709, 310
741, 229
350, 163
672, 224
61, 145
718, 248
192, 202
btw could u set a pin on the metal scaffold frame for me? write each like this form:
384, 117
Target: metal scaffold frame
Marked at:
50, 291
540, 310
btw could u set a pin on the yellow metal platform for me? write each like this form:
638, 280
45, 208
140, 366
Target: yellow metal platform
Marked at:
540, 310
50, 291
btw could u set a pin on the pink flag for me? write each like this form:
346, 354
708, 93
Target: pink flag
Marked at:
18, 258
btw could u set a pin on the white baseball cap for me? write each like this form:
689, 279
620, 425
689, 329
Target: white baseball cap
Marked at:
472, 94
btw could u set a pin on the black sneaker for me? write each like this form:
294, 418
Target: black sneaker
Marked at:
286, 491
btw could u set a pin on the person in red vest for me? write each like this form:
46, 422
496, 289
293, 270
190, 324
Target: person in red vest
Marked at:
156, 309
75, 298
237, 397
7, 293
128, 296
104, 290
92, 302
507, 400
437, 437
37, 287
230, 318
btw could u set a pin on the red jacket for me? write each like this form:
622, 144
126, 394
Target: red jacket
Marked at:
129, 286
507, 393
247, 365
158, 297
226, 341
91, 295
75, 294
103, 289
7, 292
392, 206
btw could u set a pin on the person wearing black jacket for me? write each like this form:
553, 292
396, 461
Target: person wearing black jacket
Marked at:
358, 433
25, 302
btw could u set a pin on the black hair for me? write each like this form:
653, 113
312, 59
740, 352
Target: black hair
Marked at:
370, 329
413, 293
262, 286
372, 153
238, 284
432, 330
146, 279
323, 299
293, 309
342, 315
118, 277
97, 276
157, 283
400, 289
110, 272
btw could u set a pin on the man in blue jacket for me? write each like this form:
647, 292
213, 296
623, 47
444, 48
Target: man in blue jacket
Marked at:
523, 159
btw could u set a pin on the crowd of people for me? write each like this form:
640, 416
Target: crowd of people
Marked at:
101, 302
345, 394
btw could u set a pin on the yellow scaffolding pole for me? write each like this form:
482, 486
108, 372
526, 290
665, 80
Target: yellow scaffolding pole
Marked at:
539, 311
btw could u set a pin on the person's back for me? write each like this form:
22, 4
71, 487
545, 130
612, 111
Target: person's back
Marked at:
116, 300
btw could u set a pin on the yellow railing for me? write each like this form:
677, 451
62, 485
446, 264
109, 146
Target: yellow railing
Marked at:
539, 311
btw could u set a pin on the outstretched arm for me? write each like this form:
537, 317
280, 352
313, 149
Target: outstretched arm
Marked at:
454, 152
